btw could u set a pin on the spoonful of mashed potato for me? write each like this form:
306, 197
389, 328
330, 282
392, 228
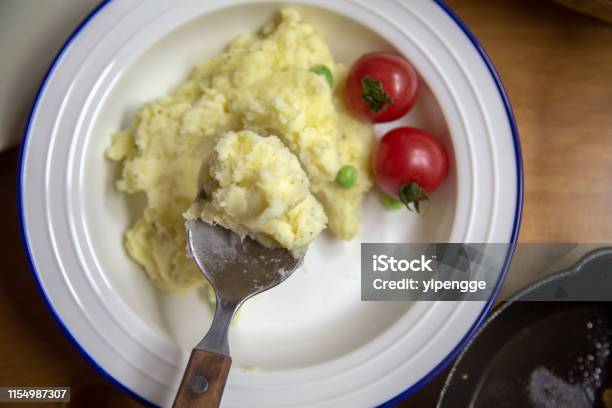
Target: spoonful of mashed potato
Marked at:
255, 186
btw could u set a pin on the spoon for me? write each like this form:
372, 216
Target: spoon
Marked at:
237, 270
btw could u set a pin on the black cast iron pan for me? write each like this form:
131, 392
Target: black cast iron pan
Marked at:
541, 353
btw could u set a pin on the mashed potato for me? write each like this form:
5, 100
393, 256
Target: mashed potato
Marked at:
255, 186
261, 83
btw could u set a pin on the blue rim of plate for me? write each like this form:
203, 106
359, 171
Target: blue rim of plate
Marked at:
406, 393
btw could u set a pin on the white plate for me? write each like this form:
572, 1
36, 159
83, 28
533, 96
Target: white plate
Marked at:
311, 340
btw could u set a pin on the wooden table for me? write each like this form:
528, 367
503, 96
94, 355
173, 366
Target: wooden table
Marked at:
557, 68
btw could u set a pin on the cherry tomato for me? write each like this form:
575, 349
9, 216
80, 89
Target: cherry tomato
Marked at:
408, 164
381, 87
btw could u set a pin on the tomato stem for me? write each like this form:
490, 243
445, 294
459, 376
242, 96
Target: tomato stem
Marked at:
374, 95
411, 195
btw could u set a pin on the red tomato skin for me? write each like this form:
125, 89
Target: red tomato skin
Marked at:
406, 155
399, 81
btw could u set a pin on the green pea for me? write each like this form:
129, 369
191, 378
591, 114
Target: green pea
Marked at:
347, 176
323, 70
391, 203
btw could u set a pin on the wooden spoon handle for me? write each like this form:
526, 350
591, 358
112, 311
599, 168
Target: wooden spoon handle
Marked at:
204, 380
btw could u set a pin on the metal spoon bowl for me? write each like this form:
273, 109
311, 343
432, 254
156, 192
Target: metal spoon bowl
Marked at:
237, 269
